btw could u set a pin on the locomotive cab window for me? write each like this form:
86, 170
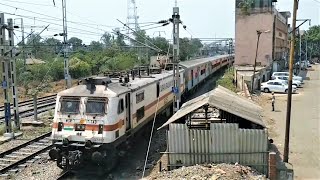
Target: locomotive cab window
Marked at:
70, 105
120, 106
95, 106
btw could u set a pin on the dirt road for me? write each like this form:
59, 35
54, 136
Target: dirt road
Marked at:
305, 127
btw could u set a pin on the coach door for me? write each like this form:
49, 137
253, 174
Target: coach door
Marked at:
128, 111
192, 78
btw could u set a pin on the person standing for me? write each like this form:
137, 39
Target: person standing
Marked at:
273, 100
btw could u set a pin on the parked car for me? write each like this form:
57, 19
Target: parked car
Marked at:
276, 86
294, 77
286, 79
309, 64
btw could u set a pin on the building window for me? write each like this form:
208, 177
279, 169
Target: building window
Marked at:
139, 97
120, 106
140, 113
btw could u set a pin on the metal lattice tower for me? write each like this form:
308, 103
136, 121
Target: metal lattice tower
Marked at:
132, 17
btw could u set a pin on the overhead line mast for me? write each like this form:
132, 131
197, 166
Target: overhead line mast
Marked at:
176, 59
65, 45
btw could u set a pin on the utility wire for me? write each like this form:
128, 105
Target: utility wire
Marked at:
81, 30
58, 19
28, 3
18, 8
140, 35
156, 49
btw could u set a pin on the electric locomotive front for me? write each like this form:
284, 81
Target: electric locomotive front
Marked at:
86, 124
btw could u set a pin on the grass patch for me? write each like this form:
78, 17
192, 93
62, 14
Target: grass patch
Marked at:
227, 80
3, 128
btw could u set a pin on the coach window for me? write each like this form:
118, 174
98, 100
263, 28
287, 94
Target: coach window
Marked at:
140, 113
70, 105
95, 106
120, 106
139, 97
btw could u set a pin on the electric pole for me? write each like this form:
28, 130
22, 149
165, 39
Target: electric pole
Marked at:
65, 45
176, 72
306, 49
5, 73
23, 44
299, 51
288, 117
12, 67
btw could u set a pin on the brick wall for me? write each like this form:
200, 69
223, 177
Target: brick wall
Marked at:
272, 166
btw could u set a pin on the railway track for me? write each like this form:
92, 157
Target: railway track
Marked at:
11, 159
30, 101
65, 175
43, 104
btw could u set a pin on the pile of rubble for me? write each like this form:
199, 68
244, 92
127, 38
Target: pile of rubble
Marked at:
210, 172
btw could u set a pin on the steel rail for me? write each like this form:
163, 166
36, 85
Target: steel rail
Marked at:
30, 101
32, 109
65, 174
28, 157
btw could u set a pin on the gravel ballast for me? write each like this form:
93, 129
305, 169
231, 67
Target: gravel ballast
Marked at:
209, 172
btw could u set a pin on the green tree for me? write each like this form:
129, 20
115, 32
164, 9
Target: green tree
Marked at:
79, 68
119, 41
189, 48
75, 42
34, 41
96, 46
245, 6
162, 43
106, 39
51, 47
313, 37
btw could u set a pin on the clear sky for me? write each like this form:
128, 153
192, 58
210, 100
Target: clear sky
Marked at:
204, 18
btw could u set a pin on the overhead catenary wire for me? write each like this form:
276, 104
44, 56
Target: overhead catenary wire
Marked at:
57, 19
36, 4
156, 49
140, 35
18, 8
82, 30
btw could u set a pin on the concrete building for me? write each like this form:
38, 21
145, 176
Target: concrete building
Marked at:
273, 45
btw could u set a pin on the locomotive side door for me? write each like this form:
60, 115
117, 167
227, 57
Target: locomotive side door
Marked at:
128, 111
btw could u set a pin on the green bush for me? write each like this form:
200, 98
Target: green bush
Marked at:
79, 68
227, 80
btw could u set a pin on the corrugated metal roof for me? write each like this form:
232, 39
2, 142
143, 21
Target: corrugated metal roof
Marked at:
225, 100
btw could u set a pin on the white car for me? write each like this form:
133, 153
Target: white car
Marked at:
294, 77
286, 78
276, 86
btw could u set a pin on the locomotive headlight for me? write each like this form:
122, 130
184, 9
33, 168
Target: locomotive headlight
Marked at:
80, 127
